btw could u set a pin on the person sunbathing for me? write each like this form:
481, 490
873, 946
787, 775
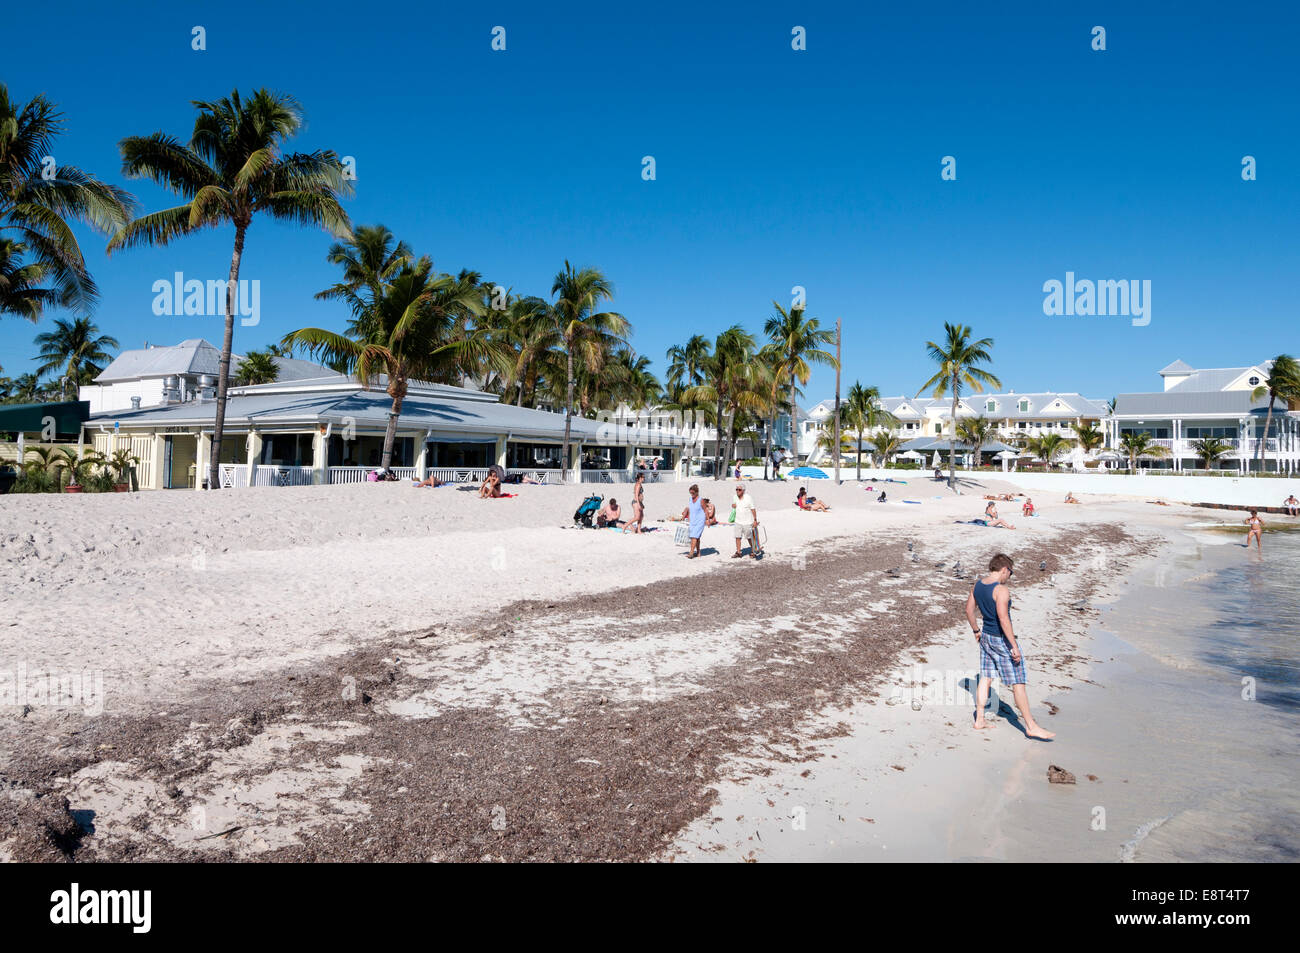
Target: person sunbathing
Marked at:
609, 514
1069, 498
491, 488
991, 514
710, 512
1028, 508
1002, 497
809, 503
430, 480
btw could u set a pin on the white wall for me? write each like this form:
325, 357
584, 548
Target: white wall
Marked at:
117, 396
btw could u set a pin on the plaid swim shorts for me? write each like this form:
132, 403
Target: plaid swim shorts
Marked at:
995, 661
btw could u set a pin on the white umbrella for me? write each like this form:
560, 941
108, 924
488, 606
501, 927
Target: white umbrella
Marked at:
936, 461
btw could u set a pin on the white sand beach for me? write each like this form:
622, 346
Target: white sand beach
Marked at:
384, 672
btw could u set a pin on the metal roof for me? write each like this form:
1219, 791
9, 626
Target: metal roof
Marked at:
1178, 403
1075, 405
194, 358
1176, 368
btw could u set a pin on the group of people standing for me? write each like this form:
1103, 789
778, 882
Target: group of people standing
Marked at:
699, 513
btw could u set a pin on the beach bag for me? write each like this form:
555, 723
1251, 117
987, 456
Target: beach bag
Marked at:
585, 513
732, 517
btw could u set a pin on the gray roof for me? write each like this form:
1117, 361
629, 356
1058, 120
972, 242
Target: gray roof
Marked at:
1008, 405
194, 358
942, 443
438, 409
1178, 403
1214, 378
1176, 368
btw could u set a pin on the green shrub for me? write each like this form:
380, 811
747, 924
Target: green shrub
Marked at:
100, 482
34, 480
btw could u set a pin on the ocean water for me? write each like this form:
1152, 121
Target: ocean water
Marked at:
1192, 727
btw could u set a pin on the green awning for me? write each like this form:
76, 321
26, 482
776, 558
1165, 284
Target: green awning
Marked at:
67, 416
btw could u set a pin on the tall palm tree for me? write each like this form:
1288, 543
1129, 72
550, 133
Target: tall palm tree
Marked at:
1282, 383
412, 335
685, 373
685, 362
799, 342
976, 431
257, 367
584, 330
370, 258
1210, 449
37, 204
1136, 443
958, 358
21, 291
75, 349
733, 382
233, 169
862, 411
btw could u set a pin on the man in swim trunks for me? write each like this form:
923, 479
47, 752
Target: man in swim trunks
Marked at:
609, 513
988, 610
1292, 505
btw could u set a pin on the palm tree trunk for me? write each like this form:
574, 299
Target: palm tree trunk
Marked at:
717, 446
952, 444
568, 413
859, 456
1268, 422
767, 449
390, 433
223, 373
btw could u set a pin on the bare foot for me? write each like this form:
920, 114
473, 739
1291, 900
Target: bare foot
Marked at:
1038, 731
980, 724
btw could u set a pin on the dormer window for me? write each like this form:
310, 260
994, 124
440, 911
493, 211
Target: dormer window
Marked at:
1024, 406
991, 406
1253, 382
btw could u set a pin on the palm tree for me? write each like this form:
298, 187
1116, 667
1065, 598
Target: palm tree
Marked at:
958, 358
257, 367
411, 335
886, 444
976, 431
1137, 443
232, 169
1282, 383
733, 381
578, 293
1210, 449
862, 411
1048, 447
76, 349
685, 362
799, 342
1088, 436
38, 210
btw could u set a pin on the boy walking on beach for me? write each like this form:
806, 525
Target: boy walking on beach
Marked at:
988, 610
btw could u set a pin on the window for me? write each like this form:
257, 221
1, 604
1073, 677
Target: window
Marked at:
938, 428
1024, 406
1254, 382
991, 406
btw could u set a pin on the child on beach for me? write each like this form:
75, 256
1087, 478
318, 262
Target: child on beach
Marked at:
1256, 530
988, 610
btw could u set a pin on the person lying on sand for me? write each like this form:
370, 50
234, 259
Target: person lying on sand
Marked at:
430, 480
1028, 508
988, 610
1256, 530
1069, 498
1002, 497
991, 514
810, 503
1292, 505
609, 514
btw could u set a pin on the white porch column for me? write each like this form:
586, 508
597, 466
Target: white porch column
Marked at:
158, 453
575, 461
202, 456
422, 458
320, 455
254, 445
1177, 451
501, 447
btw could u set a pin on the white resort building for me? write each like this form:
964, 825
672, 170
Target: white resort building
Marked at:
319, 426
1209, 403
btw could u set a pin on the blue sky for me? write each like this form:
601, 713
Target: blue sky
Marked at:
775, 168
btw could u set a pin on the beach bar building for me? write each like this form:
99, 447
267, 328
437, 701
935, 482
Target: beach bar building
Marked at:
330, 429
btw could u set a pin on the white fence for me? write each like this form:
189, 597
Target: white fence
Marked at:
626, 476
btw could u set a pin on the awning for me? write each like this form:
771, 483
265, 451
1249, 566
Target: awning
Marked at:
66, 417
447, 437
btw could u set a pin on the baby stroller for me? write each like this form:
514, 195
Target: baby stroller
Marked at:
585, 513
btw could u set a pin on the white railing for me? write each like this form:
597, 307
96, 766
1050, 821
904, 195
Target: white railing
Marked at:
267, 474
362, 474
625, 476
233, 475
458, 474
546, 477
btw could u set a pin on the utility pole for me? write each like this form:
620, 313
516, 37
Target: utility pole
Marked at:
837, 401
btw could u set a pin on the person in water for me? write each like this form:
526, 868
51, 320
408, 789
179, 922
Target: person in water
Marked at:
694, 512
988, 610
1256, 530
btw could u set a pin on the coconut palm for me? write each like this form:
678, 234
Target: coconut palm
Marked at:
1282, 383
1210, 449
586, 332
1137, 443
976, 431
412, 335
234, 168
685, 362
799, 342
37, 204
257, 367
887, 445
733, 382
75, 464
862, 411
1088, 436
958, 358
1048, 447
75, 350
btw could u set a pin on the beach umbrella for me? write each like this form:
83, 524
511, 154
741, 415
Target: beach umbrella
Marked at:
809, 472
936, 461
499, 470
